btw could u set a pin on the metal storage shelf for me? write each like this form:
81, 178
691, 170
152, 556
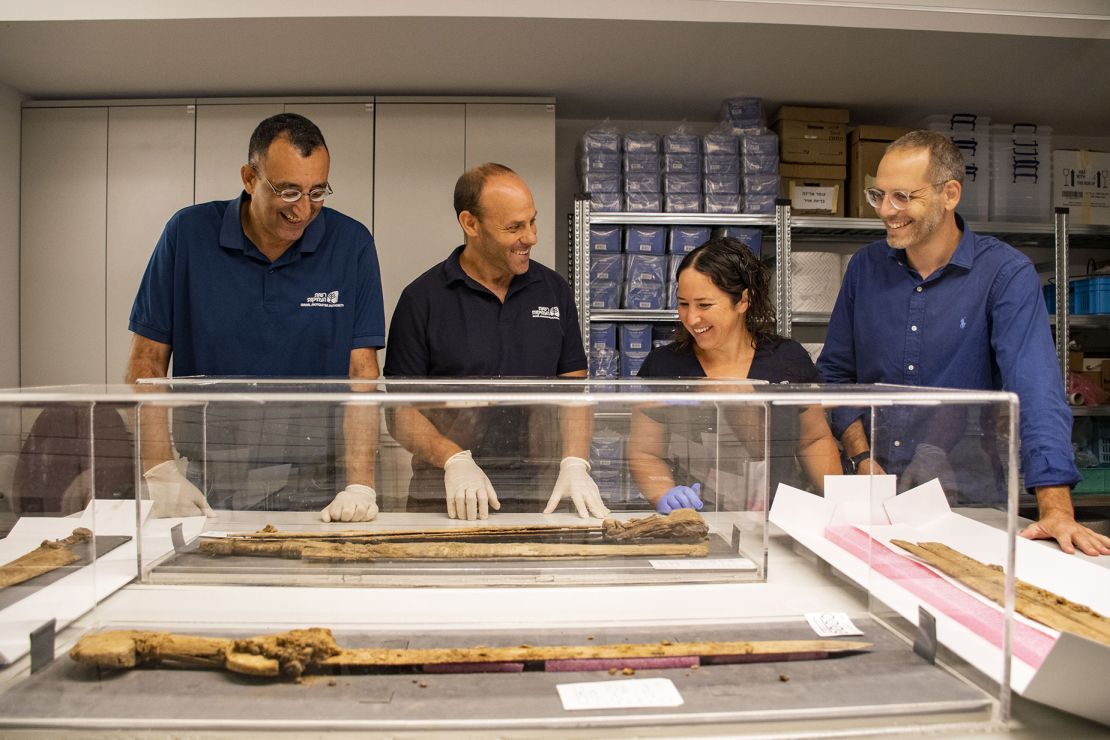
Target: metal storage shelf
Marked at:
812, 231
1090, 410
632, 314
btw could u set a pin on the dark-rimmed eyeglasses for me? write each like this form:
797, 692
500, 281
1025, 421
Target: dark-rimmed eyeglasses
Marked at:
899, 199
292, 195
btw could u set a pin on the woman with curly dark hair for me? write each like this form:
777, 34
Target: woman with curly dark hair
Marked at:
727, 331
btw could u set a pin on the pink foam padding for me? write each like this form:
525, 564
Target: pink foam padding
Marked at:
605, 664
761, 658
472, 667
1031, 646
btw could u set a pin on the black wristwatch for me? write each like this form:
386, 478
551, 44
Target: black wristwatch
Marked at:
857, 460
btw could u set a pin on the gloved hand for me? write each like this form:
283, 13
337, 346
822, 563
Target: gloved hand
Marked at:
469, 492
355, 503
574, 480
173, 494
928, 462
680, 497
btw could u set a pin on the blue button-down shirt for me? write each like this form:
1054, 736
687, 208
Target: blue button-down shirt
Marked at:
979, 322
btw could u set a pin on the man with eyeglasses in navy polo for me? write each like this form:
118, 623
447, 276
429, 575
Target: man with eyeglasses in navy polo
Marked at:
935, 304
270, 284
490, 311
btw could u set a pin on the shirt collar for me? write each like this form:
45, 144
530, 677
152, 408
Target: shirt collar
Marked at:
962, 257
232, 235
453, 272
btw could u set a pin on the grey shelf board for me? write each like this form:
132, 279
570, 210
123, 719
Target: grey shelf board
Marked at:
813, 319
1084, 320
682, 219
1090, 410
631, 314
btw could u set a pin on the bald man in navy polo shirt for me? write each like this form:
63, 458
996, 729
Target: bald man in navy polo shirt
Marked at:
271, 284
490, 311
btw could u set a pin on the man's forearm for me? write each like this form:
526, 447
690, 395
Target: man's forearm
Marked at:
150, 359
420, 437
576, 424
1055, 500
854, 440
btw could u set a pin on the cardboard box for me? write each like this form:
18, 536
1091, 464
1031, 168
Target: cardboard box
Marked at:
813, 190
807, 113
866, 146
812, 135
1075, 361
1106, 375
1081, 182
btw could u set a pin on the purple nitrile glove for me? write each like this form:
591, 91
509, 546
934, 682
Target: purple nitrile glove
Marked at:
680, 497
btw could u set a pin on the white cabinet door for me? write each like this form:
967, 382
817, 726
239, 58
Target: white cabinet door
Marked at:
62, 252
150, 177
348, 128
520, 136
223, 135
419, 153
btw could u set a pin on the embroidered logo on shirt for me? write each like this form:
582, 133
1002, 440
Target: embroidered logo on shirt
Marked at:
323, 300
963, 322
545, 312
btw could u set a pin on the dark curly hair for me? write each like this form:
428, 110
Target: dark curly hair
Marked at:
733, 268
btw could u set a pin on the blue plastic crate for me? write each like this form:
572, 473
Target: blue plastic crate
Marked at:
631, 363
643, 202
635, 338
642, 182
603, 335
683, 239
723, 203
605, 239
681, 183
682, 203
749, 237
637, 163
645, 239
682, 163
607, 268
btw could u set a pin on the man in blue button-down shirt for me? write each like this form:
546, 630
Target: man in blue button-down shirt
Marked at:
937, 305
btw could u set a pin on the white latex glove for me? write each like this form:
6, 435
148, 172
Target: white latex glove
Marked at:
355, 503
172, 493
469, 492
575, 481
928, 462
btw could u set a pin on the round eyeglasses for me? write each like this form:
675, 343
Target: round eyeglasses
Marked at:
292, 195
899, 199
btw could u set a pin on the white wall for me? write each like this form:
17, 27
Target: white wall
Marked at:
9, 237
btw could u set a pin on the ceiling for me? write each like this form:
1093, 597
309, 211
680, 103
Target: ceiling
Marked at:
596, 68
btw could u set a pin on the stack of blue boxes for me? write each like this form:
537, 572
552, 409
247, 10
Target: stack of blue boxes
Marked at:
721, 173
759, 153
604, 360
681, 173
645, 268
751, 238
607, 465
635, 343
599, 168
642, 184
681, 240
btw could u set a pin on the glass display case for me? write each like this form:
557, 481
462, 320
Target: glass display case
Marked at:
796, 599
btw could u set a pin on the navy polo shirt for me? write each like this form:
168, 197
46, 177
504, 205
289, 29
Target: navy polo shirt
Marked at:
446, 324
225, 309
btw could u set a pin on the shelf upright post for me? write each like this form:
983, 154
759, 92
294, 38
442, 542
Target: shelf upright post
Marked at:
783, 282
580, 267
1061, 224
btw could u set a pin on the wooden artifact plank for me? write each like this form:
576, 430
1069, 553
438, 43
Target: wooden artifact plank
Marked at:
51, 554
1038, 604
681, 533
309, 650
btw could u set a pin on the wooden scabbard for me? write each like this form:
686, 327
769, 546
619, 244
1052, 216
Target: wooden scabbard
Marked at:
48, 556
1038, 604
